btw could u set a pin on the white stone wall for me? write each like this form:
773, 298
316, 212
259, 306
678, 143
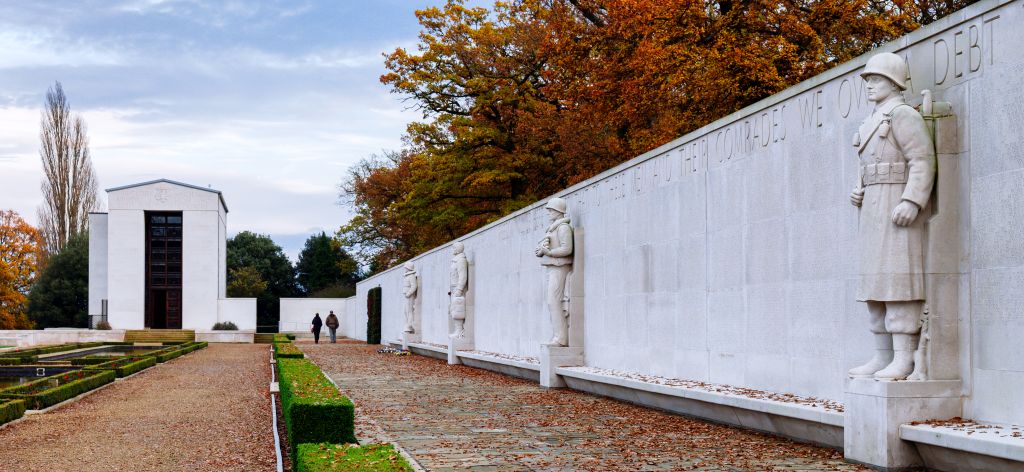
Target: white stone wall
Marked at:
297, 313
200, 280
97, 262
728, 254
240, 311
126, 269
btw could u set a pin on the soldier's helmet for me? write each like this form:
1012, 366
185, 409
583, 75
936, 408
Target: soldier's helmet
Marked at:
890, 66
557, 204
409, 266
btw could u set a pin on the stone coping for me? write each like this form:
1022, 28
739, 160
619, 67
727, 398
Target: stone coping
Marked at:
989, 439
815, 412
428, 347
514, 361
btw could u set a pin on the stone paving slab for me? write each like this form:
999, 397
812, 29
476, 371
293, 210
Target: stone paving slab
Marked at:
206, 411
460, 418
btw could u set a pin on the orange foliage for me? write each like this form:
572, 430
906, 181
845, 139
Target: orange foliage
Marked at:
19, 254
531, 96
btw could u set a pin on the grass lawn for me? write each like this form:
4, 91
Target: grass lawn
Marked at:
340, 457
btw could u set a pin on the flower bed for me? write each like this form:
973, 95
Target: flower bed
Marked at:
341, 457
42, 393
11, 410
287, 351
314, 410
125, 366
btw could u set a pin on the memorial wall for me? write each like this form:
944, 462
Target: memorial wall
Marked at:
730, 256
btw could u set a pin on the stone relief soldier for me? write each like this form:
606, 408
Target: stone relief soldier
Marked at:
555, 251
457, 289
410, 287
897, 172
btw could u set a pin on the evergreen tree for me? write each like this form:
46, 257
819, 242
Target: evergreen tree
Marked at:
60, 298
259, 252
324, 264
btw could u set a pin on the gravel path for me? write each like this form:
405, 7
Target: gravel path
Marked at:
461, 418
208, 410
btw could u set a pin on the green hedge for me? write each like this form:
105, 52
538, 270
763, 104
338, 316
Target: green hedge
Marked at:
11, 410
291, 337
314, 410
18, 360
42, 399
282, 338
287, 351
125, 366
344, 457
90, 360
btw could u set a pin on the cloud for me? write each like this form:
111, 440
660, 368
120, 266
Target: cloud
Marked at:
40, 48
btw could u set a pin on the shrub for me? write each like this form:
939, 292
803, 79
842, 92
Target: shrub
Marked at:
38, 395
282, 338
371, 457
103, 326
314, 410
11, 410
225, 326
125, 366
90, 360
287, 351
291, 337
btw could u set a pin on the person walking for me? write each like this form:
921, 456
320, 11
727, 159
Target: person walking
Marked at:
332, 325
317, 324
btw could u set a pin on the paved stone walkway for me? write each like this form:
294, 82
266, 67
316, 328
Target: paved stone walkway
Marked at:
461, 418
208, 410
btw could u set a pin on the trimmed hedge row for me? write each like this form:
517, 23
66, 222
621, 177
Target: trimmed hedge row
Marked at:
90, 360
125, 366
38, 400
287, 351
11, 410
31, 355
282, 338
18, 360
314, 410
344, 457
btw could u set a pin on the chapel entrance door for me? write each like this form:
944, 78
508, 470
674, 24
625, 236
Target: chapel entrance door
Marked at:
163, 270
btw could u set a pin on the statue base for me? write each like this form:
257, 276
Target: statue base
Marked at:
408, 338
553, 357
875, 409
458, 344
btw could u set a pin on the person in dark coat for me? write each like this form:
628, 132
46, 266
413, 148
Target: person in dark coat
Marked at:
332, 326
317, 324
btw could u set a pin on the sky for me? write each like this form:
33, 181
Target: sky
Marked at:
267, 101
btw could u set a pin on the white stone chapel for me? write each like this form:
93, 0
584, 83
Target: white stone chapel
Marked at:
158, 259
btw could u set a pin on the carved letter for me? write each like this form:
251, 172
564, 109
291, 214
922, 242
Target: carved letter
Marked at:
945, 61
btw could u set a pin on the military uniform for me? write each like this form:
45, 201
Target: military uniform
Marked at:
555, 251
897, 162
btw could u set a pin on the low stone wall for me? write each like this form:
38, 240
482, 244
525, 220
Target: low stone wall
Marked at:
28, 338
241, 336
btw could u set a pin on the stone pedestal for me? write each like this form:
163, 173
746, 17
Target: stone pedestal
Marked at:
876, 409
455, 345
408, 338
552, 357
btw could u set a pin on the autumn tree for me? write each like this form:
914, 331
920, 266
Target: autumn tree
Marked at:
70, 189
528, 97
19, 257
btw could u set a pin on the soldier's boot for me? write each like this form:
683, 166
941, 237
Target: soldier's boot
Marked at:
882, 357
904, 346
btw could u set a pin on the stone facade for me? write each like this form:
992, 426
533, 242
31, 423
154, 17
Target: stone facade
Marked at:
117, 262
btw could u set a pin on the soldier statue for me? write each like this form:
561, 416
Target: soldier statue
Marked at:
897, 172
410, 284
457, 289
555, 251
